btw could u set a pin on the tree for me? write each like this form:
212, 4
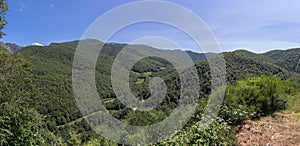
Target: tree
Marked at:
16, 85
20, 123
3, 21
21, 126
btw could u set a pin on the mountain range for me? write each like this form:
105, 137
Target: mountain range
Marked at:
52, 71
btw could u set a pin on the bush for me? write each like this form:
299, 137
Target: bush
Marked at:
218, 133
254, 97
21, 126
235, 114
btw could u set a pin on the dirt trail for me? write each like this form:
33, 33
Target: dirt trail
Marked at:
278, 130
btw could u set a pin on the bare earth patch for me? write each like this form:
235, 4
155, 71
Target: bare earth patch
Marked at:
279, 130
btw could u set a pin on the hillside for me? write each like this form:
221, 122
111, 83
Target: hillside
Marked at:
52, 70
243, 63
287, 59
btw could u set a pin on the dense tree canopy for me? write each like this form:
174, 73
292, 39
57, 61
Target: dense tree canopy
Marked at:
20, 123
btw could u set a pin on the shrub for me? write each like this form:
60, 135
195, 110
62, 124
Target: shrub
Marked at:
254, 97
218, 133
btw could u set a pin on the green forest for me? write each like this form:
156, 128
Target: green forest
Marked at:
38, 106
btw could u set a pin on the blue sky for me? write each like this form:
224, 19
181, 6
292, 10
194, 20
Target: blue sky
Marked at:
257, 26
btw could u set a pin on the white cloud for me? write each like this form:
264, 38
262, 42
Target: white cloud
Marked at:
37, 44
52, 5
258, 26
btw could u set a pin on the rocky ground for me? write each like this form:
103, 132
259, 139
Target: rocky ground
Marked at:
280, 129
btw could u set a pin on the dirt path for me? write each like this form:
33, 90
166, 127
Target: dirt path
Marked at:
278, 130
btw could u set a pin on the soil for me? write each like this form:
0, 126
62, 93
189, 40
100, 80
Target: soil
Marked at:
280, 129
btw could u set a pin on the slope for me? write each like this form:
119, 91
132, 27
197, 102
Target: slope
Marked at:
52, 68
287, 59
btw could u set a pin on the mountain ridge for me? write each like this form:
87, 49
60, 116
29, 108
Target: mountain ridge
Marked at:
52, 71
269, 55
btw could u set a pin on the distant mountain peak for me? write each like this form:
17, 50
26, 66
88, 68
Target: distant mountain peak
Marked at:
11, 47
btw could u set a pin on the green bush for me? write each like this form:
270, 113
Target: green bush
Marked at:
21, 126
235, 114
254, 97
218, 133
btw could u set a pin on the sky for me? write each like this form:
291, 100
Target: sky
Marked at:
257, 26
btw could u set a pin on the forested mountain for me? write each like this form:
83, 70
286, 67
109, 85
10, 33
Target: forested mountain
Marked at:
243, 63
12, 47
288, 59
52, 74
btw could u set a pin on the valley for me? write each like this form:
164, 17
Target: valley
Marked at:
246, 71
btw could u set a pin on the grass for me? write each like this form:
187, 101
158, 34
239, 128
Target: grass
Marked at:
293, 103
